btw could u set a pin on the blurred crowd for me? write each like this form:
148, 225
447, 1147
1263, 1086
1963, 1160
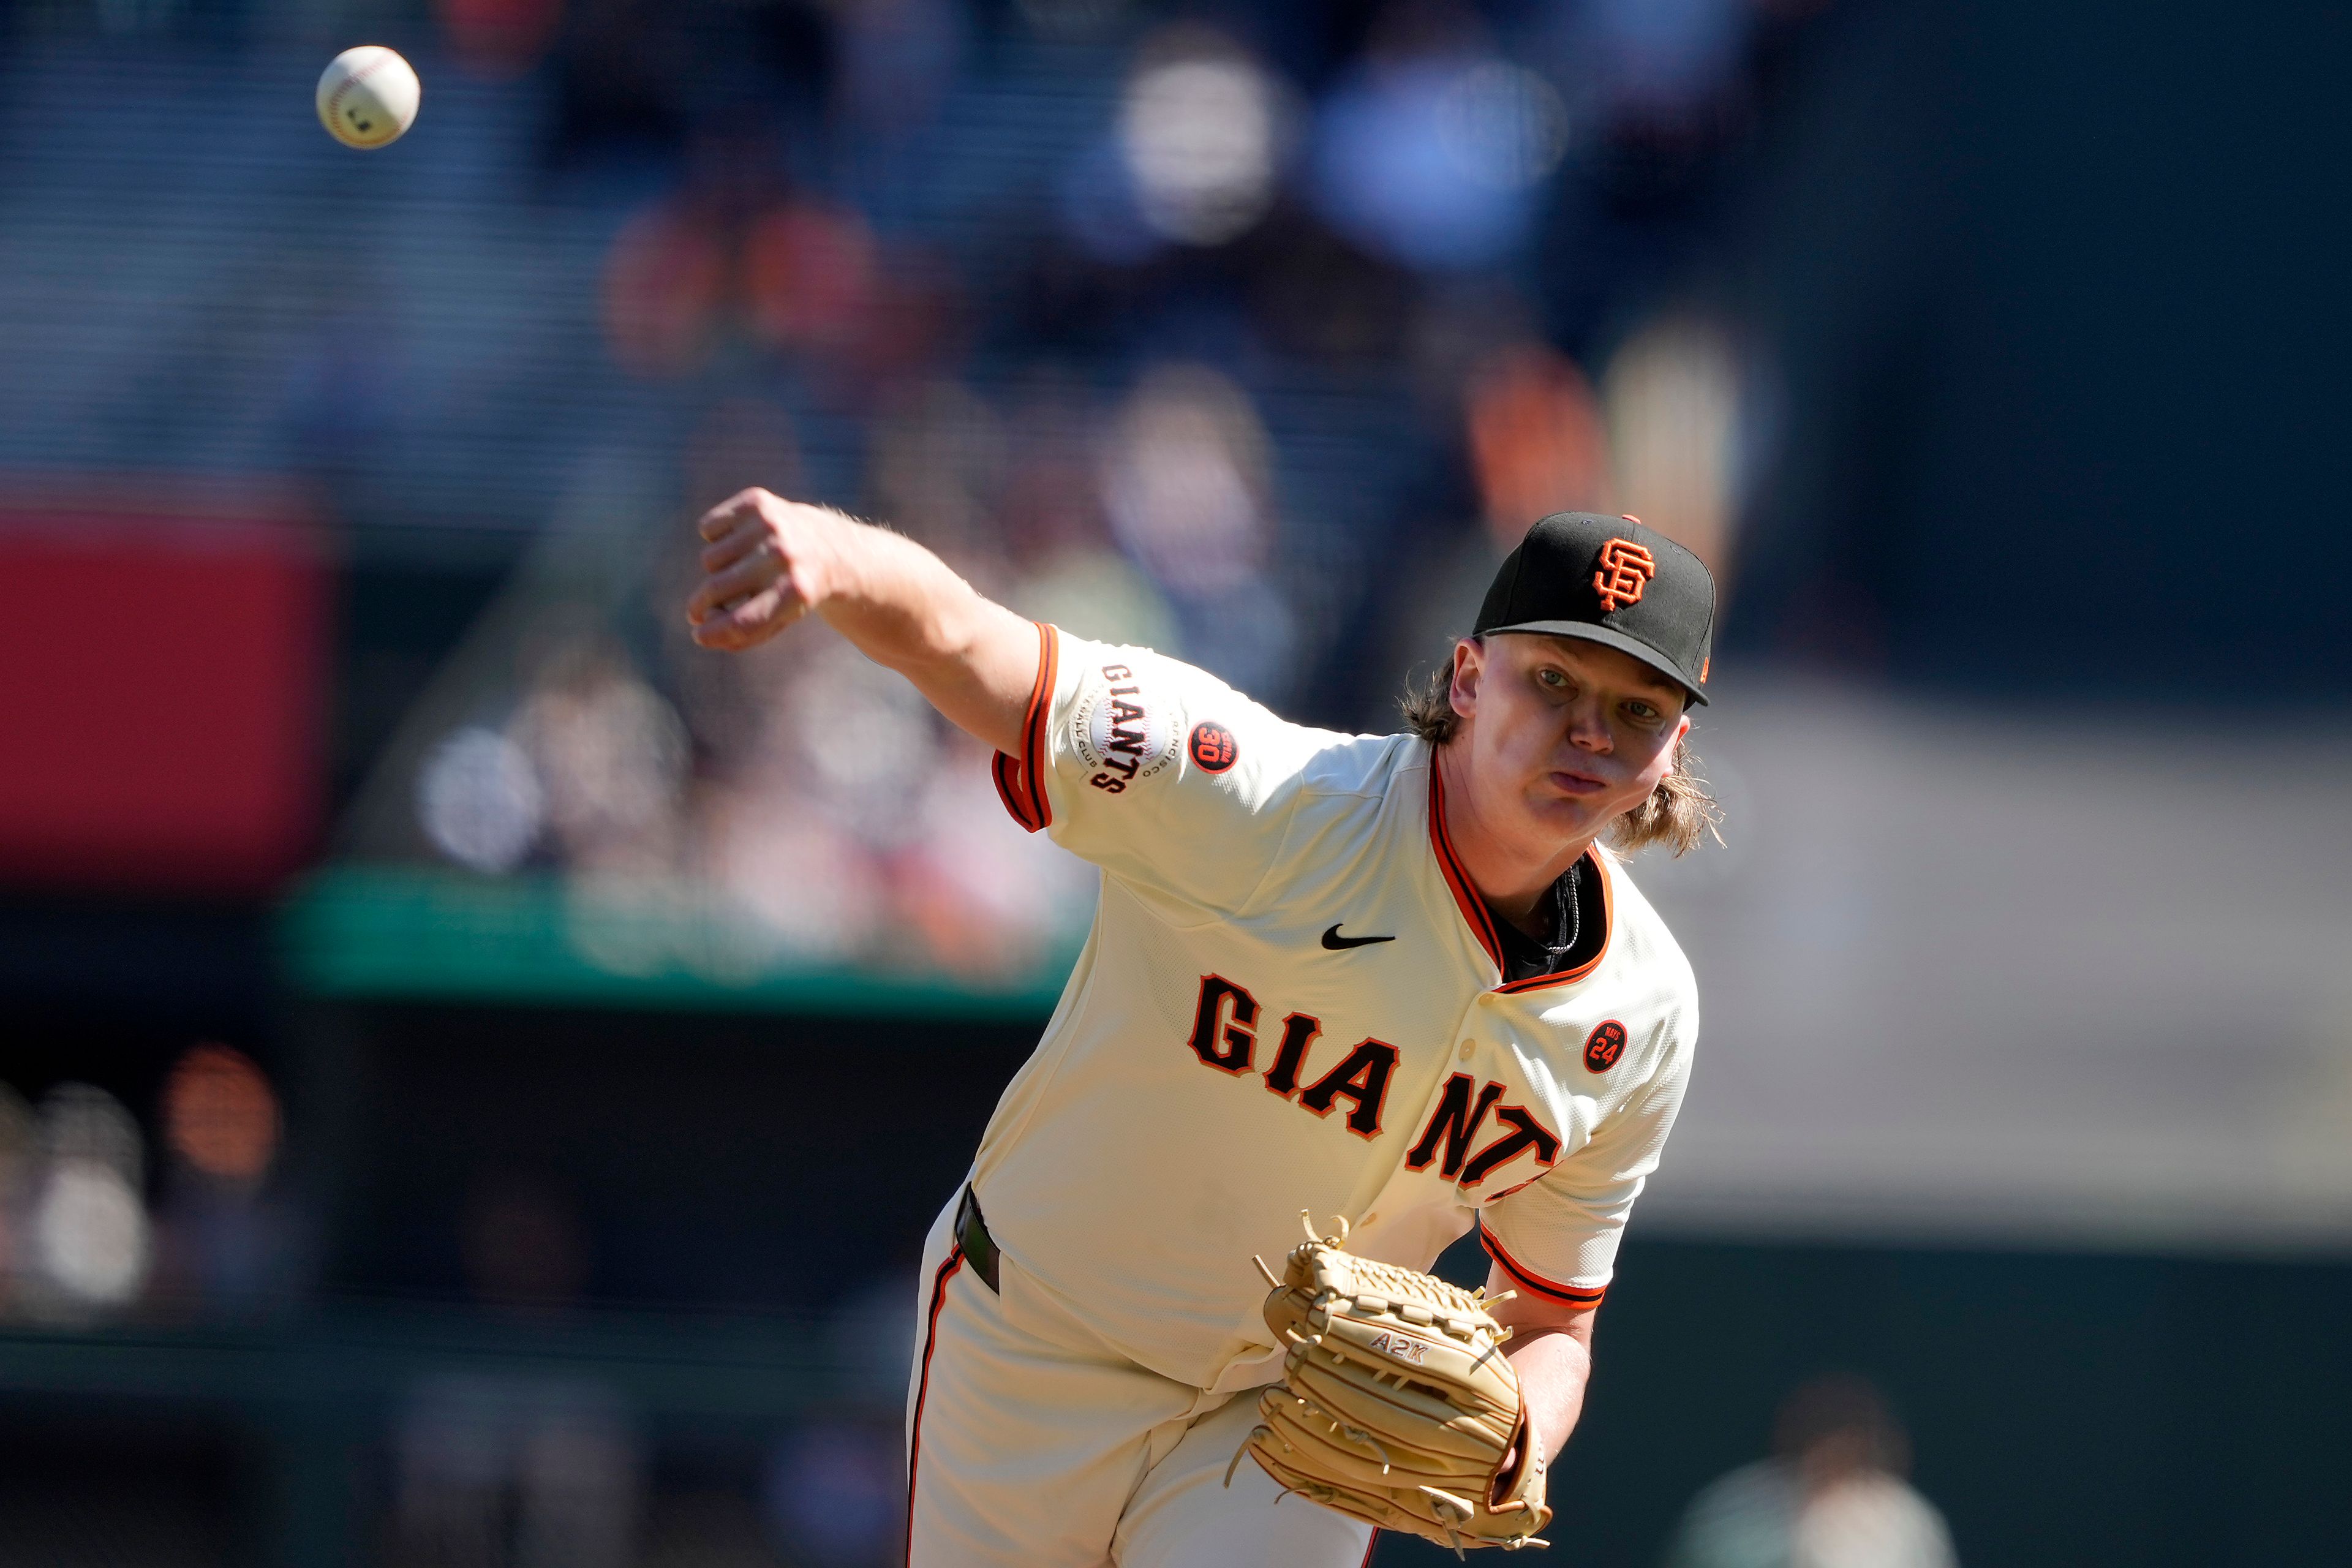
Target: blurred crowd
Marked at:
1272, 336
559, 1471
180, 1213
1834, 1493
94, 1224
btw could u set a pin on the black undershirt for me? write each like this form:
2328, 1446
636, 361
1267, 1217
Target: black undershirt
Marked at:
1580, 926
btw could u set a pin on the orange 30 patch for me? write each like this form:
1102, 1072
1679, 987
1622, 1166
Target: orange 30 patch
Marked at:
1625, 569
1214, 748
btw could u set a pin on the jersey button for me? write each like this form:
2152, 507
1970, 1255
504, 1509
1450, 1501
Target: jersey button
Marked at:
1466, 1049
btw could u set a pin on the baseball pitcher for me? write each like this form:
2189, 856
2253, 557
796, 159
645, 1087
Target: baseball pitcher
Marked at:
1399, 984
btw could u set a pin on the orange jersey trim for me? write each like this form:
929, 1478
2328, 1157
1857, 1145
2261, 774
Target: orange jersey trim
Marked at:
953, 1261
1021, 782
1534, 1283
1465, 895
1474, 912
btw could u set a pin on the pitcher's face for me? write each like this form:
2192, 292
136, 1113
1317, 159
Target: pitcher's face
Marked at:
1562, 736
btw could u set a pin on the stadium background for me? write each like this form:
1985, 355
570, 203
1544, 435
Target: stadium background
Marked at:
472, 1065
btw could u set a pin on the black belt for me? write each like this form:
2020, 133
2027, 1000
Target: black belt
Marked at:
972, 1235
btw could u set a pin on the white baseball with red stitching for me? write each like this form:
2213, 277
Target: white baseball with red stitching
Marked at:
368, 97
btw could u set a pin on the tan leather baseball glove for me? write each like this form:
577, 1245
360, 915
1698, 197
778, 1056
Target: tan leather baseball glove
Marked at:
1396, 1404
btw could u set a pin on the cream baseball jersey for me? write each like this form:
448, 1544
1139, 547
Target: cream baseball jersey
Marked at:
1292, 999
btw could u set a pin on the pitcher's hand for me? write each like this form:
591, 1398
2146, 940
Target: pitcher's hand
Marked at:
762, 568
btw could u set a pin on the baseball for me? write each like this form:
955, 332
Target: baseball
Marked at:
368, 96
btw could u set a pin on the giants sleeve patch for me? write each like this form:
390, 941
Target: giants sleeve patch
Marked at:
1119, 731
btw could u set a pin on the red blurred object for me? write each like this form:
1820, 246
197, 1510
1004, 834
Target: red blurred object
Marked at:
809, 275
1537, 442
666, 282
499, 39
161, 672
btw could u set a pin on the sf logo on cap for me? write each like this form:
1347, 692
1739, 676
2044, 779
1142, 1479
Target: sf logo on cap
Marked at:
1625, 569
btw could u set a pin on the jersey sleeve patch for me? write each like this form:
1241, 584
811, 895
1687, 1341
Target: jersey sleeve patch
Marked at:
1021, 782
1214, 747
1121, 731
1604, 1045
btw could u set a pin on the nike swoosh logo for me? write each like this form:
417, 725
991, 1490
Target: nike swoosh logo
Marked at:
1337, 943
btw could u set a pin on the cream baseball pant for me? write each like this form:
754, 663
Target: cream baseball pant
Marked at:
1031, 1444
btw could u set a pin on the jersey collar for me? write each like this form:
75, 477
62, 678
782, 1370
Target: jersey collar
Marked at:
1475, 913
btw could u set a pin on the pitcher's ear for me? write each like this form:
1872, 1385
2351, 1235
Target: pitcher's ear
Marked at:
1469, 669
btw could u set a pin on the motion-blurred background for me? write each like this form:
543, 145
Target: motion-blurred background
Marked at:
473, 1071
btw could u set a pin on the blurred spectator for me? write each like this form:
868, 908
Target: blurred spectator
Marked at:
1536, 446
857, 742
665, 285
787, 863
674, 277
1065, 569
1673, 395
1097, 594
981, 893
220, 1118
1199, 134
222, 1243
811, 278
1534, 436
935, 468
737, 255
1188, 482
1832, 1496
506, 1472
1662, 440
90, 1244
609, 754
478, 800
1430, 151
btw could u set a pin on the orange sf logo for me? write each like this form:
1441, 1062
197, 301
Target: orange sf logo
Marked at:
1625, 570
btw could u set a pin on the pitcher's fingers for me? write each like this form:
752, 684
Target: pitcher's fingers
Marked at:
721, 630
750, 534
765, 609
696, 615
745, 577
752, 620
721, 519
723, 635
707, 597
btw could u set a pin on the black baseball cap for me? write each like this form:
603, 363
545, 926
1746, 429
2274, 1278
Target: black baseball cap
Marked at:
1611, 581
